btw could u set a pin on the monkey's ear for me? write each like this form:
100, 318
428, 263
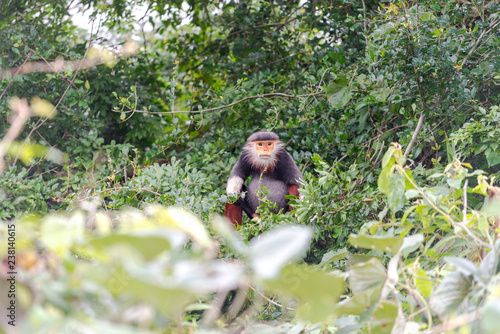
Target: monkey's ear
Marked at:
234, 213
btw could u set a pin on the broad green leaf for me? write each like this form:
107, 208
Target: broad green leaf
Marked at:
382, 30
381, 94
388, 157
450, 152
166, 299
408, 183
359, 302
384, 317
450, 293
454, 183
333, 256
58, 233
411, 193
338, 93
149, 245
491, 317
396, 196
183, 220
423, 283
427, 16
493, 159
465, 266
318, 292
358, 258
368, 275
411, 243
272, 250
383, 180
226, 230
385, 244
489, 265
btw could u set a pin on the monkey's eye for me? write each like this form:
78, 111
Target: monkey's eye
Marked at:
269, 144
260, 144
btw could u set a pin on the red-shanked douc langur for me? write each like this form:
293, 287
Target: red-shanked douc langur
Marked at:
263, 155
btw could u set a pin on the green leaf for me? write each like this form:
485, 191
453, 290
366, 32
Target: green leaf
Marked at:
454, 183
383, 180
317, 292
385, 244
493, 159
183, 220
333, 256
465, 266
338, 93
381, 94
450, 293
359, 302
58, 233
384, 317
396, 196
149, 245
409, 175
388, 159
427, 16
272, 250
411, 243
411, 193
367, 275
382, 30
491, 317
423, 283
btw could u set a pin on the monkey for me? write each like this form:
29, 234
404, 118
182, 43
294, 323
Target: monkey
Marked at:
269, 164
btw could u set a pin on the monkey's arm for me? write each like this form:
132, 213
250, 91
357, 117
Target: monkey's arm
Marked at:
290, 174
241, 171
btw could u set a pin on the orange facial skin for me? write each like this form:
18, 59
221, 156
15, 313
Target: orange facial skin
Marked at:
264, 148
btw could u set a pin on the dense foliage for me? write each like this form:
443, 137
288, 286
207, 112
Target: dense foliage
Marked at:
390, 109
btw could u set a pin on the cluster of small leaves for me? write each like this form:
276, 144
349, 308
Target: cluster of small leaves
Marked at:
21, 193
451, 267
482, 129
169, 184
335, 204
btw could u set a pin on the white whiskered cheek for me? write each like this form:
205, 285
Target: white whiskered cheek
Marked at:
234, 185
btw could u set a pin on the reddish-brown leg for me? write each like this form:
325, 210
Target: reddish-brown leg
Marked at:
293, 190
234, 213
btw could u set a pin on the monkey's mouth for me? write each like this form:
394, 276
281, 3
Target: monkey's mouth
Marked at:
264, 156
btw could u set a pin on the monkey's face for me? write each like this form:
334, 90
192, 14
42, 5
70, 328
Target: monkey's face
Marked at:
264, 148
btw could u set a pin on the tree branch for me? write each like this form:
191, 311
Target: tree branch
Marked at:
99, 57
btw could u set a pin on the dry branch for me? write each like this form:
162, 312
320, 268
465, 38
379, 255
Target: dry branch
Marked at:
95, 57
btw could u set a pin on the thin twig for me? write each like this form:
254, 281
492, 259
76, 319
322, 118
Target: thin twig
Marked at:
270, 300
415, 134
40, 122
457, 322
364, 14
283, 95
464, 211
22, 113
16, 73
444, 214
